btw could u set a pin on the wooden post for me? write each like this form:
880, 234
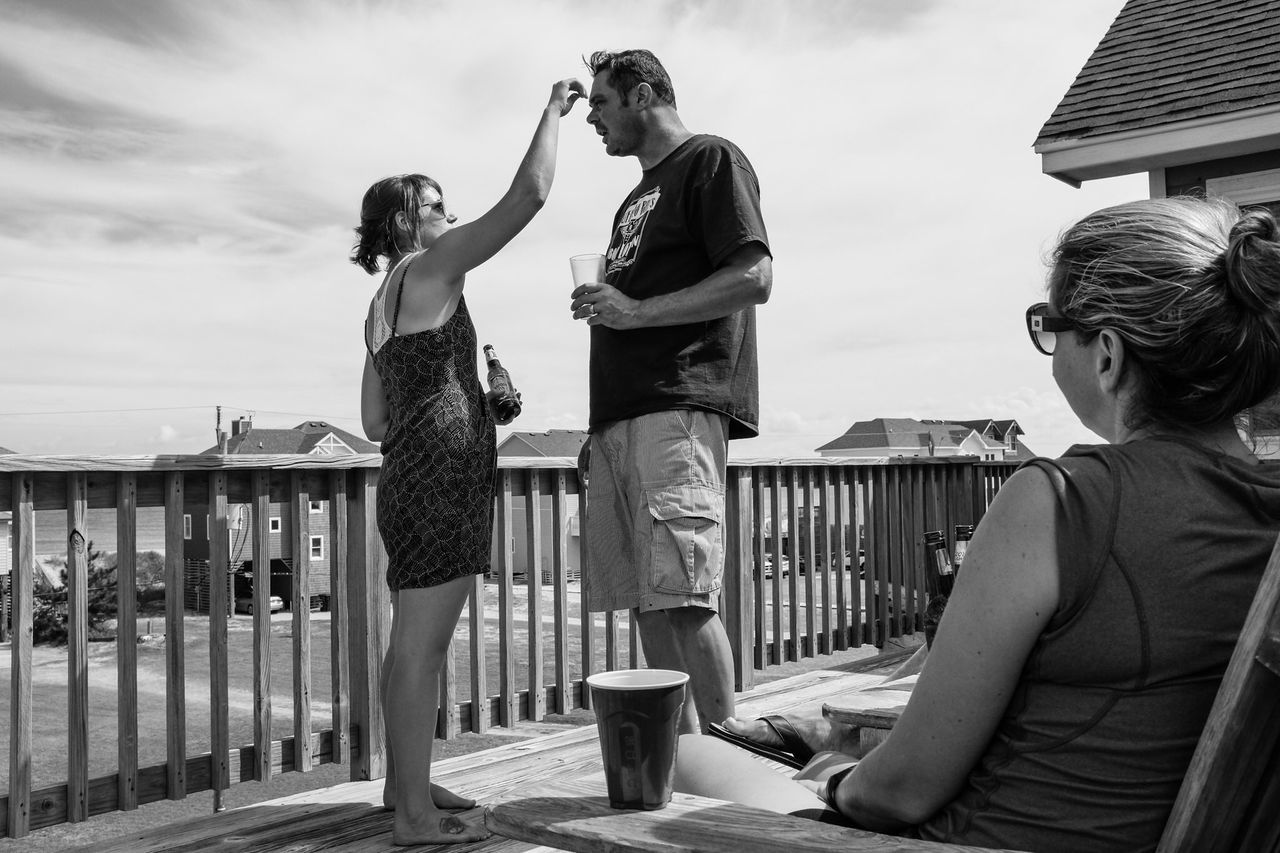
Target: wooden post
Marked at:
175, 637
479, 671
260, 544
369, 602
301, 512
22, 593
127, 640
560, 598
533, 587
738, 595
509, 703
219, 703
77, 648
339, 669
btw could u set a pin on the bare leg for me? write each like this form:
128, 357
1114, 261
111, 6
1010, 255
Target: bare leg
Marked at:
692, 640
442, 797
421, 628
712, 768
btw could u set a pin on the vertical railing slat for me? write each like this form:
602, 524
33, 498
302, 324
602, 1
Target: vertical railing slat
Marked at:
447, 709
339, 672
560, 593
760, 655
633, 640
533, 586
479, 671
812, 574
871, 502
175, 636
896, 533
779, 601
219, 711
588, 619
22, 594
508, 708
77, 648
260, 546
369, 629
796, 652
828, 563
301, 512
127, 640
839, 517
738, 596
611, 639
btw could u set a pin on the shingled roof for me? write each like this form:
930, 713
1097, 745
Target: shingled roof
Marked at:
303, 438
1174, 63
553, 442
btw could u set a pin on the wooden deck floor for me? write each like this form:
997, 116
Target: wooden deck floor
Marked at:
348, 818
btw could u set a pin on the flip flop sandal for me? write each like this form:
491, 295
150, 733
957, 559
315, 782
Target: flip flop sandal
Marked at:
794, 752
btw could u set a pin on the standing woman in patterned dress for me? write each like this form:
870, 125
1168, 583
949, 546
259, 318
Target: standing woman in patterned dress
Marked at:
421, 397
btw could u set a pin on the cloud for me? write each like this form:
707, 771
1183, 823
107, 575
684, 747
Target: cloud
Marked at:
181, 181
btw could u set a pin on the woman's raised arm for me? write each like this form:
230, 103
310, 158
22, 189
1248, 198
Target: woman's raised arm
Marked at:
465, 247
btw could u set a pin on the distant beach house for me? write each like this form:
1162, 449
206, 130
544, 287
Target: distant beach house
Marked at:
316, 438
552, 443
990, 440
1187, 91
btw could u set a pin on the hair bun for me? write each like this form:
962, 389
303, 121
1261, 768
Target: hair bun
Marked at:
1252, 261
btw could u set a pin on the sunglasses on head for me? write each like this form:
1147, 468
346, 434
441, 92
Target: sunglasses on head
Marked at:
1044, 329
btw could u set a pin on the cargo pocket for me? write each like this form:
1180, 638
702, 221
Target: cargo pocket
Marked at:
687, 537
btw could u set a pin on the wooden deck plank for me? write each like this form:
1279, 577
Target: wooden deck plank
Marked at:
349, 818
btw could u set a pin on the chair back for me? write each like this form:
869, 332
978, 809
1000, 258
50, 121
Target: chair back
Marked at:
1230, 797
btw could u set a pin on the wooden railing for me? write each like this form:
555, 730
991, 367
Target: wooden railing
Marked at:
827, 507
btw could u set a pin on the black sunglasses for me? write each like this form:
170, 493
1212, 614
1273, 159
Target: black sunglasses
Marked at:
1044, 329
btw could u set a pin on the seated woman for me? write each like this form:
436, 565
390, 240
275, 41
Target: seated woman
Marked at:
1103, 591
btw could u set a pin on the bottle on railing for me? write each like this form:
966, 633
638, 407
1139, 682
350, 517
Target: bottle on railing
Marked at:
939, 579
964, 532
941, 573
504, 400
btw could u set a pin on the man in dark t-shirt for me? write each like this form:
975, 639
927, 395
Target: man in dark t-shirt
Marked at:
673, 374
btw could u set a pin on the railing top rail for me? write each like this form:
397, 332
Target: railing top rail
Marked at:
20, 462
843, 461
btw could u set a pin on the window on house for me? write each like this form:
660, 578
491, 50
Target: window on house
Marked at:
317, 506
274, 524
186, 526
317, 547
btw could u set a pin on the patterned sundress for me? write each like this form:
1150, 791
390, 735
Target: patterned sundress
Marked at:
435, 493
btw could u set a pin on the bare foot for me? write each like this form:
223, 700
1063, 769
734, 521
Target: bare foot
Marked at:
443, 798
437, 830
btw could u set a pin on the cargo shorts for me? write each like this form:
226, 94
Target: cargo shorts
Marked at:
655, 512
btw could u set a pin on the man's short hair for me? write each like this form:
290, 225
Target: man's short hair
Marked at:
629, 68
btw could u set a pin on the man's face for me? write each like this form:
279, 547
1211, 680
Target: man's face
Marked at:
618, 125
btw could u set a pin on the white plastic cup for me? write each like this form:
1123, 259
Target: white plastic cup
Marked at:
587, 268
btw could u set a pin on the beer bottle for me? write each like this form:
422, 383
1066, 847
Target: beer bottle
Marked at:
939, 578
941, 572
964, 532
505, 402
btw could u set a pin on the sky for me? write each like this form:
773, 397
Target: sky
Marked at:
180, 182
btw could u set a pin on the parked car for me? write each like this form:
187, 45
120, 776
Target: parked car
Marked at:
244, 604
768, 567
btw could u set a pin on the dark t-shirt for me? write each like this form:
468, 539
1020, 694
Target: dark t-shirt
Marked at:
685, 218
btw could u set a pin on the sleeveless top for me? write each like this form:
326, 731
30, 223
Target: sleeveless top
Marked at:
1161, 545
